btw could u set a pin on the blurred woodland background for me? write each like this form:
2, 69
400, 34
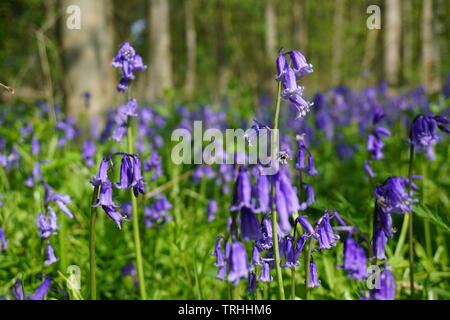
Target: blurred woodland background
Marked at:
205, 51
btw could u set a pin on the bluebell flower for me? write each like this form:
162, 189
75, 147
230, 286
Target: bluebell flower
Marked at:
126, 173
387, 286
251, 285
355, 259
324, 232
42, 290
47, 226
238, 263
424, 135
211, 210
3, 242
50, 255
313, 279
305, 159
105, 198
256, 256
392, 196
154, 164
265, 273
301, 66
138, 180
35, 146
263, 194
102, 174
35, 177
129, 62
115, 215
87, 152
249, 225
307, 227
379, 243
289, 253
17, 290
242, 191
157, 213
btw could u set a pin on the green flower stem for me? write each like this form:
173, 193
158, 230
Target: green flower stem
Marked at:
293, 283
410, 229
274, 213
308, 262
426, 221
92, 264
135, 220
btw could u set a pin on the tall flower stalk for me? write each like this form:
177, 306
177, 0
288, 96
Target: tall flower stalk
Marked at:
274, 212
136, 236
92, 262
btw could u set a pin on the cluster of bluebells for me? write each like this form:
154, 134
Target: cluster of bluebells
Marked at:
251, 201
88, 152
68, 131
157, 213
375, 142
393, 196
129, 62
39, 294
288, 76
424, 132
130, 177
47, 223
124, 112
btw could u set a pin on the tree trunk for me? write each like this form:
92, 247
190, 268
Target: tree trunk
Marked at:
300, 25
428, 48
337, 41
392, 41
87, 55
160, 67
271, 29
191, 47
408, 41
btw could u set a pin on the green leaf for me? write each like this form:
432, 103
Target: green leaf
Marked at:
434, 216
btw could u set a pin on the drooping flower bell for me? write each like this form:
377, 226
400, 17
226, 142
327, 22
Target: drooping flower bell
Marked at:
423, 134
286, 199
211, 210
126, 173
387, 286
313, 279
265, 273
138, 180
305, 159
249, 225
61, 200
50, 255
299, 63
42, 290
355, 259
242, 191
324, 232
238, 263
3, 242
88, 151
102, 174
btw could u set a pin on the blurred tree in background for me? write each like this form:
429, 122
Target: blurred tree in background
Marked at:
209, 50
